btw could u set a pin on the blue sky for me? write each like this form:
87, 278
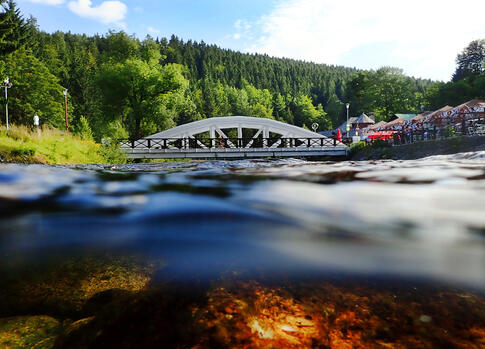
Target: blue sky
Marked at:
422, 37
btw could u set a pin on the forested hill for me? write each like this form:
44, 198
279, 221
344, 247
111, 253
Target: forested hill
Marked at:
278, 75
220, 81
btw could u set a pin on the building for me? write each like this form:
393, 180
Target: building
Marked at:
402, 117
362, 121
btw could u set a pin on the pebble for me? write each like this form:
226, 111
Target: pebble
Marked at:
425, 318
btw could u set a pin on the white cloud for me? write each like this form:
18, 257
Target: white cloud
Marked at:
48, 2
243, 30
242, 24
422, 37
107, 12
152, 30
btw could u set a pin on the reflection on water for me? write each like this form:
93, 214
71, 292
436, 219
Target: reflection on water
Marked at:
256, 253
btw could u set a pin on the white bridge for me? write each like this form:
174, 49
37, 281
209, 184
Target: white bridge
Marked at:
233, 137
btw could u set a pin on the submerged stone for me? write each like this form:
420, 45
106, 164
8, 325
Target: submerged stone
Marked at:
21, 332
64, 288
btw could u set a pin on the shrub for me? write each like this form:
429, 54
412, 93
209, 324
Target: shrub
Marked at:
22, 152
449, 131
83, 130
358, 147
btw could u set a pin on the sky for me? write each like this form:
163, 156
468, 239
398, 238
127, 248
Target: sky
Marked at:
422, 37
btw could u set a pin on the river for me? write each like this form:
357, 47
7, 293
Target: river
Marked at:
242, 254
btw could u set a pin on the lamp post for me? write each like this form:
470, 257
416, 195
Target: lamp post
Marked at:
65, 108
7, 84
347, 126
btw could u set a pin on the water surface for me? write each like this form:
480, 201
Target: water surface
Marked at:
261, 253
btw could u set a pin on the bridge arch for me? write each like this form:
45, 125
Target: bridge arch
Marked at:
216, 125
269, 138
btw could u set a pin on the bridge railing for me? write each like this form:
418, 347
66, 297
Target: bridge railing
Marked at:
226, 143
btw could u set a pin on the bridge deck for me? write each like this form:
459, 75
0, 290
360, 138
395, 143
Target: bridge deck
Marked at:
231, 148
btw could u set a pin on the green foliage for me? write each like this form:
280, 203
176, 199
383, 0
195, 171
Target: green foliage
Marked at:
208, 64
455, 93
14, 30
112, 154
385, 91
118, 47
146, 96
468, 80
115, 130
34, 90
83, 130
50, 146
449, 131
471, 61
238, 100
336, 111
360, 147
260, 101
306, 114
23, 152
117, 77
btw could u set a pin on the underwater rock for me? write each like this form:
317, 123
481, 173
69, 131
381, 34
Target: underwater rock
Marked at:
147, 319
63, 288
39, 332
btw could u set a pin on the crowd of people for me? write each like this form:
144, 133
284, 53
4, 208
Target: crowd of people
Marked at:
465, 119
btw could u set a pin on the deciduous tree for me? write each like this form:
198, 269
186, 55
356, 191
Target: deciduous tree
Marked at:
385, 91
143, 94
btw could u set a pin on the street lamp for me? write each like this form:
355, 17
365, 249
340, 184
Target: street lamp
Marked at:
65, 108
347, 126
7, 84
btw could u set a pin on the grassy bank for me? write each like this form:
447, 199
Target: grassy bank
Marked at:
21, 144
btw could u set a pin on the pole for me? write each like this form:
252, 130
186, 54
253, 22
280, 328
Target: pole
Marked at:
6, 104
65, 109
7, 84
347, 128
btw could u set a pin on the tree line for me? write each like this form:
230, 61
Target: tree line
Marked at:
120, 86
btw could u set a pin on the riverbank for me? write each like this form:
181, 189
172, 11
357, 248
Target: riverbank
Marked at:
50, 146
419, 149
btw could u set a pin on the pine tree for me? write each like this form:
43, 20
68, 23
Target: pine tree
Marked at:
471, 61
14, 30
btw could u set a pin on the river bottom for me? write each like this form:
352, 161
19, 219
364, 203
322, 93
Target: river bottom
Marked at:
109, 301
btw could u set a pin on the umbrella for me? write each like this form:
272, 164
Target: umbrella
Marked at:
339, 135
381, 135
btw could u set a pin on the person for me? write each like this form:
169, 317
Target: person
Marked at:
221, 142
36, 123
339, 135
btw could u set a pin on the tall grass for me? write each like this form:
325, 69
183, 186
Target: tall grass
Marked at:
22, 144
